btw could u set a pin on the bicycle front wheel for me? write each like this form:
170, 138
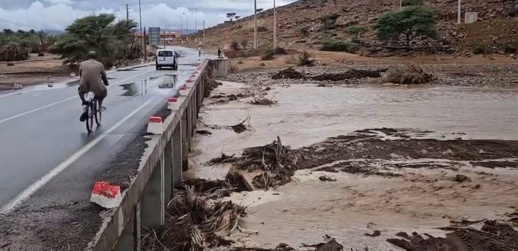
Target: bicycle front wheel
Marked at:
98, 114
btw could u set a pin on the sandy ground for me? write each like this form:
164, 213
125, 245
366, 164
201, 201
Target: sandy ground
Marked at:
324, 58
35, 70
433, 174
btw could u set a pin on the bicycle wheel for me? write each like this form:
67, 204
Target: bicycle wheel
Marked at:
98, 113
90, 119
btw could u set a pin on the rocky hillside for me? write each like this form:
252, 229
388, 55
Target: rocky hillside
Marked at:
303, 24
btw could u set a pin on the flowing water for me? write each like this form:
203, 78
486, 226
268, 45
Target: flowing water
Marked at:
305, 210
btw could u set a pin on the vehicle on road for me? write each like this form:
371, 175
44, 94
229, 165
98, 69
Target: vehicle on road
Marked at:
166, 58
94, 111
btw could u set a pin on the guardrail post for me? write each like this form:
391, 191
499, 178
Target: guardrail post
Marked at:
194, 112
189, 126
138, 228
177, 156
153, 199
130, 237
168, 170
185, 143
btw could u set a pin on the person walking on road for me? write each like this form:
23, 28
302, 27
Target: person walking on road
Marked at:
92, 78
219, 52
199, 51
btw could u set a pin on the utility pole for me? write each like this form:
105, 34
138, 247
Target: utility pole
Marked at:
145, 47
458, 13
141, 33
196, 22
255, 24
181, 23
187, 24
204, 37
127, 12
274, 28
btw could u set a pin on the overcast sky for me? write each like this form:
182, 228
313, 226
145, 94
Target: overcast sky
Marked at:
58, 14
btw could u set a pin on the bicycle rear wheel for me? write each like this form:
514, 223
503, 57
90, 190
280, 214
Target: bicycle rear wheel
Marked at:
98, 113
89, 120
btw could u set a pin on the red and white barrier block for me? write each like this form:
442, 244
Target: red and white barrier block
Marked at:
171, 103
155, 125
106, 195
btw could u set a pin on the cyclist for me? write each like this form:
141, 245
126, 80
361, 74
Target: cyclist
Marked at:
92, 78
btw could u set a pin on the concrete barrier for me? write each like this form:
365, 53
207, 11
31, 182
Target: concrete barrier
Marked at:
144, 202
220, 67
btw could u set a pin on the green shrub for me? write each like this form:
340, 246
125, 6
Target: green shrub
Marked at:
329, 21
339, 45
304, 32
291, 60
357, 32
268, 54
305, 59
408, 24
412, 2
481, 49
12, 51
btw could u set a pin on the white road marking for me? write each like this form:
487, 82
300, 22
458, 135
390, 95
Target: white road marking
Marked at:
107, 72
34, 187
64, 100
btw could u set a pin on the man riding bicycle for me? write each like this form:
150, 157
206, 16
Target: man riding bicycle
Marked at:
91, 72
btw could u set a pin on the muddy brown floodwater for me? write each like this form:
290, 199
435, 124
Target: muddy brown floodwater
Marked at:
432, 182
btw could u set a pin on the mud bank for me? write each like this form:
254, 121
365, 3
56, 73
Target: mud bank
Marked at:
367, 185
497, 75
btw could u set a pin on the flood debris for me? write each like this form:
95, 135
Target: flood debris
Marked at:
461, 178
193, 219
203, 132
280, 247
367, 152
349, 74
493, 235
326, 178
209, 82
408, 74
222, 159
240, 127
376, 233
262, 101
329, 244
237, 128
277, 163
291, 73
238, 181
212, 189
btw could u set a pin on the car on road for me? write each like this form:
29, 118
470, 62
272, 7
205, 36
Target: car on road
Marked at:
166, 58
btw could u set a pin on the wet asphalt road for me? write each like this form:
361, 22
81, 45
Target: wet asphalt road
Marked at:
40, 130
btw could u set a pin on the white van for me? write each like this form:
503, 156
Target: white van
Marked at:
166, 58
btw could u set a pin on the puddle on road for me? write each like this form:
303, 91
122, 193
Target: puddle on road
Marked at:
76, 82
167, 81
307, 208
130, 89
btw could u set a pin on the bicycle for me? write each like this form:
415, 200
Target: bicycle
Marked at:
94, 112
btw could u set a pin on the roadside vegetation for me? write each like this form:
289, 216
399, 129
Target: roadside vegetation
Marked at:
113, 41
16, 45
407, 25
